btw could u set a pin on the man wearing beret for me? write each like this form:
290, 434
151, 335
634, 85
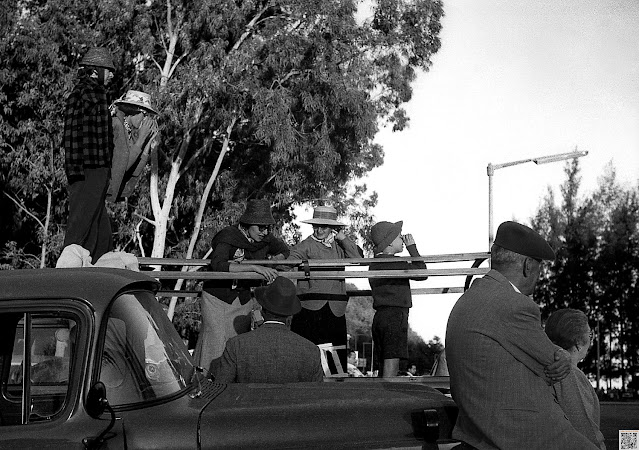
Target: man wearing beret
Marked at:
272, 353
501, 362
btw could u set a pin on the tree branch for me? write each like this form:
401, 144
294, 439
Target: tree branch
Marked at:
24, 208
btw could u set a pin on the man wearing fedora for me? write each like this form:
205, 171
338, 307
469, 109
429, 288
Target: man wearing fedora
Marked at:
226, 305
134, 135
322, 318
88, 150
501, 362
272, 353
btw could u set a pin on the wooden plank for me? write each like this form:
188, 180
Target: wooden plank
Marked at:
324, 275
351, 293
453, 257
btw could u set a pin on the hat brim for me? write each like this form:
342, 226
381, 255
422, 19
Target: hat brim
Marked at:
137, 105
324, 222
266, 303
394, 231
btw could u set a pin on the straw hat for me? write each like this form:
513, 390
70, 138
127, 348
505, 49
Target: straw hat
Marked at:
137, 98
324, 215
98, 57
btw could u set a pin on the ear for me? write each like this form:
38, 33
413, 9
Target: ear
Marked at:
528, 266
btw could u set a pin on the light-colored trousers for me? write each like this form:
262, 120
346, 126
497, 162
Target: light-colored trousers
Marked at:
220, 322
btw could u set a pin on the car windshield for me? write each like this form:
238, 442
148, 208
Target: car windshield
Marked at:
144, 358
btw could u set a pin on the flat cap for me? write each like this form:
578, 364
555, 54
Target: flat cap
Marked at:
521, 239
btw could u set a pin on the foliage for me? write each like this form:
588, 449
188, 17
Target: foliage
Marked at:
596, 239
283, 97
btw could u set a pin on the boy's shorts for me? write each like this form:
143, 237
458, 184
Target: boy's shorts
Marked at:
390, 332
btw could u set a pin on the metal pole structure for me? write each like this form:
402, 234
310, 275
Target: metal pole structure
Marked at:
490, 169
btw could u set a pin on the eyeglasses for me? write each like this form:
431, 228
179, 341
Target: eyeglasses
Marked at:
315, 225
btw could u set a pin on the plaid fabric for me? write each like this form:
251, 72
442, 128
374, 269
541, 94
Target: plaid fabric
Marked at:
88, 133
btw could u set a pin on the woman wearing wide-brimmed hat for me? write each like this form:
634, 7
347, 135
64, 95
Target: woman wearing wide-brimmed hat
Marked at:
135, 133
322, 318
226, 305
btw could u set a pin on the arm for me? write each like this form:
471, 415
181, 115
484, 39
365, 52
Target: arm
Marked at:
524, 338
412, 251
350, 247
73, 121
148, 132
227, 372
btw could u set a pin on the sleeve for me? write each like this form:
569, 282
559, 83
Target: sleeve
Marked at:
298, 251
277, 247
350, 248
73, 134
227, 372
522, 336
318, 372
220, 258
412, 251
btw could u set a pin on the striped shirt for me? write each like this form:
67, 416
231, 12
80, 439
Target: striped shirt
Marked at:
88, 132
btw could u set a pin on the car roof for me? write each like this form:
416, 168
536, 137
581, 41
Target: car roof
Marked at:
97, 284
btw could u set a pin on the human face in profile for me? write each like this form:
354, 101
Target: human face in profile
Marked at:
258, 232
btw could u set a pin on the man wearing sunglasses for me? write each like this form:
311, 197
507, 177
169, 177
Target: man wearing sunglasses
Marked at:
226, 305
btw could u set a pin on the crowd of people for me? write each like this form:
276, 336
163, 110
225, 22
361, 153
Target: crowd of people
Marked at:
516, 385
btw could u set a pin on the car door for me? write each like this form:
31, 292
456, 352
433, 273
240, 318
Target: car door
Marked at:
44, 359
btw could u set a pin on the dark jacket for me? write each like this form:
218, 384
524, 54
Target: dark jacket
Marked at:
88, 133
394, 291
230, 244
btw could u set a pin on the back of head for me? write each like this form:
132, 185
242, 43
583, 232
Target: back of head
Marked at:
567, 327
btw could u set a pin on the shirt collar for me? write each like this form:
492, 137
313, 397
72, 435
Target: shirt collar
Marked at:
249, 238
274, 321
515, 288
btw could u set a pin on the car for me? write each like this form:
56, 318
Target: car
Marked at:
89, 359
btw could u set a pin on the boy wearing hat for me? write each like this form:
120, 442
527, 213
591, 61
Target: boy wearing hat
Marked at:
272, 353
226, 305
501, 363
322, 318
392, 298
88, 147
134, 135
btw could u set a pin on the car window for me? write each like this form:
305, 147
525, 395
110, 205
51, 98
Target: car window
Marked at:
143, 357
40, 345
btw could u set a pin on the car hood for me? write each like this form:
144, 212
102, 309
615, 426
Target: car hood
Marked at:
324, 415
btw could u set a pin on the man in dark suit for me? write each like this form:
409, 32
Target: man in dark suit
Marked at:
501, 362
272, 353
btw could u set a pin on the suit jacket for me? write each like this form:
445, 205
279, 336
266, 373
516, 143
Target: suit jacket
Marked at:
496, 351
270, 354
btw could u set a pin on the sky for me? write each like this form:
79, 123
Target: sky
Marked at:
513, 80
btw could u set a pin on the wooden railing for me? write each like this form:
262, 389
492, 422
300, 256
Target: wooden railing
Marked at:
351, 268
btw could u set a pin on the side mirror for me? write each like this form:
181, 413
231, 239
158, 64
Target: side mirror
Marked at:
96, 400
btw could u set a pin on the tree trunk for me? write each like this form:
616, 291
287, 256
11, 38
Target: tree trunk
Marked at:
200, 213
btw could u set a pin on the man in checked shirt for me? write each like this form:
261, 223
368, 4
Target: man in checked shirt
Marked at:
88, 146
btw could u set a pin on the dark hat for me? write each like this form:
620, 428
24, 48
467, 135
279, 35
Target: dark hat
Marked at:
520, 239
258, 212
383, 233
279, 297
324, 215
137, 98
98, 57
